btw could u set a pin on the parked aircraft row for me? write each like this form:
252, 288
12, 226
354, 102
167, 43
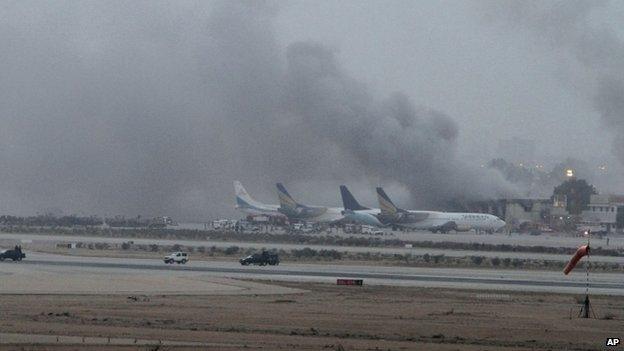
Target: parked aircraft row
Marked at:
295, 211
388, 214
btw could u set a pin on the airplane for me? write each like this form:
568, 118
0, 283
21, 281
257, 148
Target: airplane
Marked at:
356, 212
246, 204
435, 221
296, 211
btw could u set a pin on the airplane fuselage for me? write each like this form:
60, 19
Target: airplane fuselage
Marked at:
316, 214
246, 204
445, 221
258, 209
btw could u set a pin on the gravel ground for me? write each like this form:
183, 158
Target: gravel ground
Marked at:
325, 317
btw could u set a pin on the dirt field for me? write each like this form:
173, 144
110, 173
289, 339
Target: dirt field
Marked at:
325, 318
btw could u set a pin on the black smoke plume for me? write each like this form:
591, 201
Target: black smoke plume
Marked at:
153, 108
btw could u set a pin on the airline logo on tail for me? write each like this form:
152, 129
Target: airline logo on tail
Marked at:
386, 206
293, 209
243, 199
349, 202
247, 204
286, 201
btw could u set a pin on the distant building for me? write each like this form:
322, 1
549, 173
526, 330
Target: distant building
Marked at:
602, 210
493, 207
519, 212
560, 203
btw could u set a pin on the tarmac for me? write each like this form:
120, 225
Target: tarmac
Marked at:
42, 273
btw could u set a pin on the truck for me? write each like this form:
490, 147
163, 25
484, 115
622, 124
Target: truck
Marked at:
161, 222
368, 229
261, 259
16, 254
223, 224
245, 226
303, 227
177, 257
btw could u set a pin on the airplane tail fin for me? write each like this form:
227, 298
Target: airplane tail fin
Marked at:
286, 201
243, 199
348, 201
386, 205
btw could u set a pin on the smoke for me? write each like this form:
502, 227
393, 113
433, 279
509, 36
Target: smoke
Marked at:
591, 54
392, 140
155, 107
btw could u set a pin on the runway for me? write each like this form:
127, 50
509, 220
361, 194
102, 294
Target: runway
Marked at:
111, 269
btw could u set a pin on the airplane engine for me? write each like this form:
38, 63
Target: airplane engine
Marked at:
362, 218
446, 227
463, 228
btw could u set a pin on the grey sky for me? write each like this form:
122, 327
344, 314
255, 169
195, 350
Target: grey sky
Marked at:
155, 107
449, 56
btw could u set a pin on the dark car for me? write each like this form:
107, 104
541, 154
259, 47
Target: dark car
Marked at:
16, 254
261, 259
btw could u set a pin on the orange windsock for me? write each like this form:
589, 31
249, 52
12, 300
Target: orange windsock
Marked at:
582, 251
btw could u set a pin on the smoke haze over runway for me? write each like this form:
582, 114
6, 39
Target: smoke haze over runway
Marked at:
155, 107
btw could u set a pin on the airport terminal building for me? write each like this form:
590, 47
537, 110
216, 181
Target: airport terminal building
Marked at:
601, 215
520, 211
603, 211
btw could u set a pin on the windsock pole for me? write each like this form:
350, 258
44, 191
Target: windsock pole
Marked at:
587, 265
586, 304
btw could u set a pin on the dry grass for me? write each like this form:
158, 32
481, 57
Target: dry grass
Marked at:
326, 318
